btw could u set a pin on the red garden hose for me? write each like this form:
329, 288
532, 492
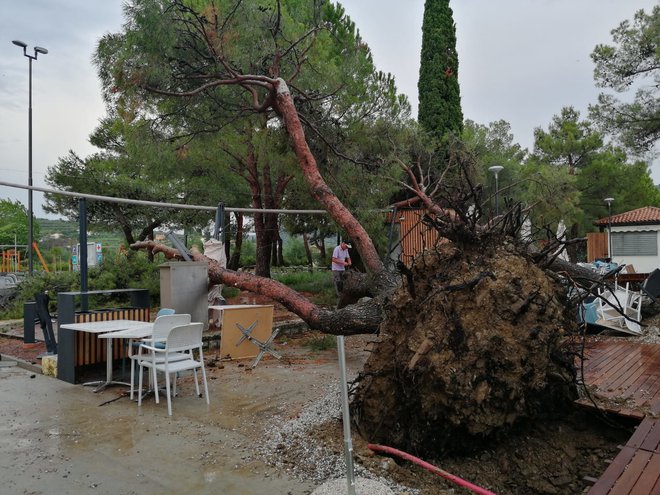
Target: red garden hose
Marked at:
430, 467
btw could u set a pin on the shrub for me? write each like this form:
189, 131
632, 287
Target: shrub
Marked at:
123, 272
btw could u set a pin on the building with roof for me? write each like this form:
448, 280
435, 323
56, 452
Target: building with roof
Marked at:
635, 238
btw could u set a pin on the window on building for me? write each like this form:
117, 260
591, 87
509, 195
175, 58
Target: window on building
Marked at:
635, 243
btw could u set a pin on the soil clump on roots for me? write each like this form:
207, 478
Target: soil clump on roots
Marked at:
473, 344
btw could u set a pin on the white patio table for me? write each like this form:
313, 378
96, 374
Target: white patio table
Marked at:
247, 331
111, 329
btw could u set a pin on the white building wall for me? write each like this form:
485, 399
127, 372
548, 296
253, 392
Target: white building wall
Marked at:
642, 264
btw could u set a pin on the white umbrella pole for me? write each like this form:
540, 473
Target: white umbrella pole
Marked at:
348, 444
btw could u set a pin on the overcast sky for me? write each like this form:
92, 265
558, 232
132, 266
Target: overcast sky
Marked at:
519, 60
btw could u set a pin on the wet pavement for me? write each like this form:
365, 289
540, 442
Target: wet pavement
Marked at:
60, 438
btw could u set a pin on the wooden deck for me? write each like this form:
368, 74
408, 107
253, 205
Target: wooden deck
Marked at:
636, 470
624, 378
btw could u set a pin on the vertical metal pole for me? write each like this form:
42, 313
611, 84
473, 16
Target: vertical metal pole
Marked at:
82, 252
497, 195
30, 170
219, 230
348, 444
610, 255
609, 231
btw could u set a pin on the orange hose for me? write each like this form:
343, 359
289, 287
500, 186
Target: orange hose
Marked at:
436, 470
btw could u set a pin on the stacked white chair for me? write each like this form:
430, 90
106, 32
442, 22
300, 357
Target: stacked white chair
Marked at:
183, 340
162, 326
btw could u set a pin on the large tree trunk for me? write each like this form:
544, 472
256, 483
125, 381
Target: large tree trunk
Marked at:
235, 260
319, 189
308, 252
352, 320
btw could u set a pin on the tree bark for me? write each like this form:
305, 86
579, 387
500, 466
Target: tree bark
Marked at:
235, 259
308, 252
320, 190
351, 320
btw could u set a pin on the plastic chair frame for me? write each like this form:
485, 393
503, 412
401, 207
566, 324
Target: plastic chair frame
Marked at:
181, 340
162, 326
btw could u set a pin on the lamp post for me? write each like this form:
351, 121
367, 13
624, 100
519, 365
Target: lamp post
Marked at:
37, 51
496, 169
609, 228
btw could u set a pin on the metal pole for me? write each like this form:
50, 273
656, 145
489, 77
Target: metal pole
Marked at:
497, 195
82, 252
37, 51
609, 228
348, 444
30, 170
223, 235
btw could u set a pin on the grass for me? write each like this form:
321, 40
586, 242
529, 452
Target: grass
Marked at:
317, 284
322, 343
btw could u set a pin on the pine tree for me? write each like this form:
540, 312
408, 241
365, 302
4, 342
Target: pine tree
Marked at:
439, 94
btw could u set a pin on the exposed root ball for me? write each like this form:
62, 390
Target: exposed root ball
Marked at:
473, 341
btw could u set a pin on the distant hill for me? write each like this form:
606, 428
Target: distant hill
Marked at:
48, 227
68, 231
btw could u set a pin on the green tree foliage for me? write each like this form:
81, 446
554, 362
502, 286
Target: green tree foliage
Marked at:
136, 162
632, 62
568, 141
490, 145
117, 272
14, 223
163, 54
587, 172
439, 93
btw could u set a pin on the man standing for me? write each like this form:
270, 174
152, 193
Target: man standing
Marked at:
340, 260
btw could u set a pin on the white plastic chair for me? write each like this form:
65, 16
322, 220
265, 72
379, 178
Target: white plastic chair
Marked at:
162, 326
181, 340
611, 305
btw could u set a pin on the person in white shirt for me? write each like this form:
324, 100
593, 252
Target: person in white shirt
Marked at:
340, 260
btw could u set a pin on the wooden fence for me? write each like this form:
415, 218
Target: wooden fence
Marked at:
596, 246
415, 236
90, 349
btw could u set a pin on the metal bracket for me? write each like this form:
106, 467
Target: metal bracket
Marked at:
179, 246
264, 347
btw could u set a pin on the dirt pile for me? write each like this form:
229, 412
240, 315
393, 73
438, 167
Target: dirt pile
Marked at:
473, 342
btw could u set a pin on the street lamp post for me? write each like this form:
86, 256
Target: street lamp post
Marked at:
496, 169
37, 51
609, 228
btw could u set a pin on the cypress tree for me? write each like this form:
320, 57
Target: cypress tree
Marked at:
439, 93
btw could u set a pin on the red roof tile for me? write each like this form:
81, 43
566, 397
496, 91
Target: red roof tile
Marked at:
649, 215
